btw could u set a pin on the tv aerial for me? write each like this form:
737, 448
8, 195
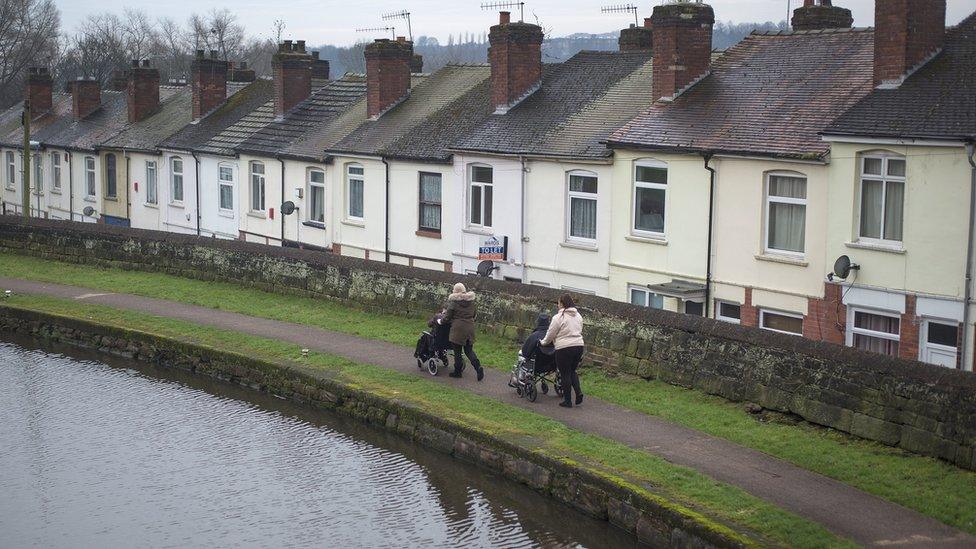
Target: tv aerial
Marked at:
402, 14
499, 6
391, 30
622, 8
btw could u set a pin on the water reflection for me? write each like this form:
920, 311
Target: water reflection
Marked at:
110, 453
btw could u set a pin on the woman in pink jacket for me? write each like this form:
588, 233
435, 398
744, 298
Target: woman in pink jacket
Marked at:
566, 333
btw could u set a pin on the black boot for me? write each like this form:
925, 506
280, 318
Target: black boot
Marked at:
481, 373
579, 399
566, 404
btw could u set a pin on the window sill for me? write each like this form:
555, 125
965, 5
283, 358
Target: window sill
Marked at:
153, 206
354, 222
428, 234
111, 198
55, 191
477, 230
580, 246
783, 259
228, 214
176, 205
89, 199
314, 224
891, 249
647, 239
257, 215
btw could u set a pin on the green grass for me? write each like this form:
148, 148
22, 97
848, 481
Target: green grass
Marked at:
929, 486
713, 503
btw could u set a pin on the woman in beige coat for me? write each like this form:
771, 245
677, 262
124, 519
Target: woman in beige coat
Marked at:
566, 333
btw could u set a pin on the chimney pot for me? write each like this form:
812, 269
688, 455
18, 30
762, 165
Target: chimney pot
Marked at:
145, 63
504, 18
135, 62
301, 46
647, 23
292, 76
821, 14
906, 34
682, 44
40, 89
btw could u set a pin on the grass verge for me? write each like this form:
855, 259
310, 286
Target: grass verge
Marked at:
929, 486
713, 503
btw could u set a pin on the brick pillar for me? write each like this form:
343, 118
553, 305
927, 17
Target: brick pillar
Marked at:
292, 67
820, 14
40, 88
682, 40
748, 315
387, 74
910, 324
636, 38
208, 82
906, 33
143, 91
86, 97
515, 55
826, 318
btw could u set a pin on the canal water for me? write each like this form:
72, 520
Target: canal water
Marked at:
102, 452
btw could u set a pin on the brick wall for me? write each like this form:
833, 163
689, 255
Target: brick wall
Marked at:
292, 71
515, 56
40, 87
682, 45
86, 97
208, 83
142, 93
922, 408
906, 32
826, 318
387, 74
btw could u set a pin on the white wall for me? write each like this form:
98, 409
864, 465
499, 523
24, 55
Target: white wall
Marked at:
363, 237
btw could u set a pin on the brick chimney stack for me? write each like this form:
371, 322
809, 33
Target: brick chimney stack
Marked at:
119, 81
820, 14
320, 67
142, 94
417, 63
240, 73
907, 33
636, 38
387, 74
682, 42
86, 97
515, 55
292, 67
208, 82
40, 88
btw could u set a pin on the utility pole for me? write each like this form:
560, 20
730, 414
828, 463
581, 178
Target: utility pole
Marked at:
26, 162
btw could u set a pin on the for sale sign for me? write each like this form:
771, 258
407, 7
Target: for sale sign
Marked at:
493, 249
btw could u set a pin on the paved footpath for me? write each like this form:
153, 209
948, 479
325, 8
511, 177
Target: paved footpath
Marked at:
844, 510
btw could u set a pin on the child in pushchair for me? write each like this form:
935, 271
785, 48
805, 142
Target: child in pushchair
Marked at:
536, 365
432, 345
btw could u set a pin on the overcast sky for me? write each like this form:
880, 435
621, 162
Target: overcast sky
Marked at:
335, 22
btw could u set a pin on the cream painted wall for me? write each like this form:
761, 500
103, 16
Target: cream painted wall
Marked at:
359, 236
116, 206
258, 226
298, 227
406, 239
144, 215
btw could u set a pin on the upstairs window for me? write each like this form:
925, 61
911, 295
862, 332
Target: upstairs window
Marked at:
225, 187
56, 171
786, 213
90, 176
176, 179
582, 207
152, 184
355, 188
882, 197
650, 194
316, 196
257, 186
430, 202
481, 196
111, 172
11, 170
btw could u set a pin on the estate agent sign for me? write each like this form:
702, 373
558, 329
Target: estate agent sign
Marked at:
493, 249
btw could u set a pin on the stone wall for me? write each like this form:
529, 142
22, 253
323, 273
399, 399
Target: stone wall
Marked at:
645, 514
922, 408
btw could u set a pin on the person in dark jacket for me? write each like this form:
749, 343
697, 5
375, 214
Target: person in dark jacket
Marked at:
531, 349
461, 312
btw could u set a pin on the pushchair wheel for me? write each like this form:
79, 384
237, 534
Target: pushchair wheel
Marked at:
531, 393
432, 366
544, 387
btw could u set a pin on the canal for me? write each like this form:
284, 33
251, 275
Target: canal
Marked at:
105, 452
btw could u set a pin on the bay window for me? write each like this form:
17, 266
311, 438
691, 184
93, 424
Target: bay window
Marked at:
582, 207
650, 193
225, 187
316, 196
875, 332
176, 179
257, 186
882, 197
430, 202
480, 196
355, 187
786, 213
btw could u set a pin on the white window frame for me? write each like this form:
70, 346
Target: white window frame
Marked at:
55, 171
221, 183
173, 173
648, 163
923, 339
581, 195
257, 187
349, 178
107, 179
91, 184
770, 200
11, 170
884, 156
723, 318
851, 329
38, 164
152, 183
421, 202
483, 185
312, 185
762, 323
631, 288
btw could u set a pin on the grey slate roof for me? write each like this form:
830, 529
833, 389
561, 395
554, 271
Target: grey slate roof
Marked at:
581, 101
938, 101
229, 124
60, 129
769, 95
440, 107
11, 130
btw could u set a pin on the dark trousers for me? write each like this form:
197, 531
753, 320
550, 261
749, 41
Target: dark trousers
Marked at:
468, 349
567, 361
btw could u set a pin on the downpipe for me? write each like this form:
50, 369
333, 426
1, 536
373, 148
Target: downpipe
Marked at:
196, 180
386, 214
707, 157
968, 291
522, 238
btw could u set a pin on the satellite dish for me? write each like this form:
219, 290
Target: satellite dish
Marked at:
88, 211
486, 267
288, 208
843, 267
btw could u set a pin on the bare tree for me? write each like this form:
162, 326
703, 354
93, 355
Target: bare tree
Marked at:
28, 36
172, 49
218, 30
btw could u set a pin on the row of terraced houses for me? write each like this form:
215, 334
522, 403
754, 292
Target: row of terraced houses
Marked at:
666, 174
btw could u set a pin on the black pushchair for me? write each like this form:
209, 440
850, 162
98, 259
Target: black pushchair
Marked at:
527, 373
432, 348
